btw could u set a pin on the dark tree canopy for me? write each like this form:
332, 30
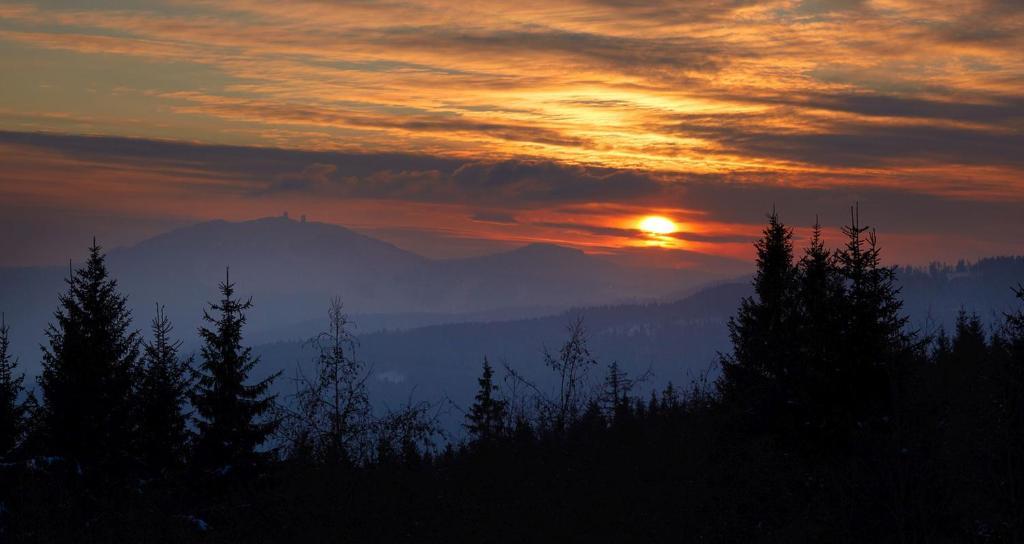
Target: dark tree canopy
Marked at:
831, 422
163, 394
486, 419
12, 406
232, 422
88, 369
763, 332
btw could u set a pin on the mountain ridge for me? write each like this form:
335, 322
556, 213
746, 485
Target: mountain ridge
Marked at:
292, 268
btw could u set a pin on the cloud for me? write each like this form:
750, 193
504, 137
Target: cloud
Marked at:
313, 177
690, 88
494, 217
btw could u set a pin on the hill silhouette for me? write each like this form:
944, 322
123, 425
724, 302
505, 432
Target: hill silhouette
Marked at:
292, 268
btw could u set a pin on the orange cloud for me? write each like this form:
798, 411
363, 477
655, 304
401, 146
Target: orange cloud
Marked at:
626, 104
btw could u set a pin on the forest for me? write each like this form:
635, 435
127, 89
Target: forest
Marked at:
829, 420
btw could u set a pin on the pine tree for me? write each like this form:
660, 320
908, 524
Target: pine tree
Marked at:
88, 370
763, 331
486, 418
232, 422
12, 408
874, 344
162, 395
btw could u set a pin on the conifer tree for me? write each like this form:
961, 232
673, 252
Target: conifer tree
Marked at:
232, 422
88, 370
819, 295
486, 418
1013, 332
820, 290
615, 397
969, 345
163, 394
763, 331
874, 343
12, 408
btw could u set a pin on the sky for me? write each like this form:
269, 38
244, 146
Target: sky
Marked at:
462, 128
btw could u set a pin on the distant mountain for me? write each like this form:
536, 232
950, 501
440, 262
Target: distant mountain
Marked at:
675, 341
292, 268
934, 294
419, 318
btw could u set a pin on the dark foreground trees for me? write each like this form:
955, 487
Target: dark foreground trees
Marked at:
487, 418
88, 372
830, 422
232, 422
163, 393
13, 409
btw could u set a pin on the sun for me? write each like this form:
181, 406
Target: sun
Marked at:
656, 224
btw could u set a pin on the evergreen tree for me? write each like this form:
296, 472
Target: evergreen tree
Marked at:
486, 418
615, 397
970, 345
820, 290
12, 408
88, 370
1013, 333
232, 421
819, 295
875, 344
763, 332
162, 394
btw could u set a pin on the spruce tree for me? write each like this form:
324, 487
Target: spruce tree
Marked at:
763, 331
819, 295
874, 345
970, 345
615, 396
486, 418
163, 394
12, 408
88, 370
1013, 333
232, 422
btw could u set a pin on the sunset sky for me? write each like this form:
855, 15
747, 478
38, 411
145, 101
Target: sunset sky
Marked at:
460, 128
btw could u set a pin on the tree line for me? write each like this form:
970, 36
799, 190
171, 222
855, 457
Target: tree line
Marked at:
830, 419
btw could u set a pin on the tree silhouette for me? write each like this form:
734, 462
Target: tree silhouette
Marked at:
763, 332
332, 419
820, 294
486, 419
12, 408
1014, 331
615, 397
88, 370
572, 362
163, 394
875, 343
231, 424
